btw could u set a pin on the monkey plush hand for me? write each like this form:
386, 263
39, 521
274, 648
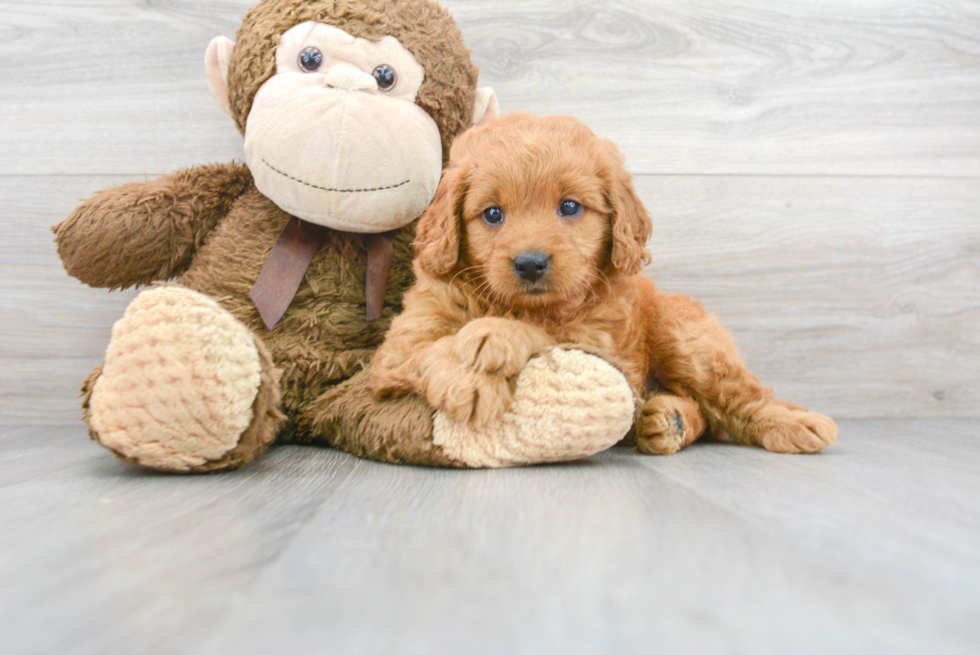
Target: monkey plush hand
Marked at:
289, 268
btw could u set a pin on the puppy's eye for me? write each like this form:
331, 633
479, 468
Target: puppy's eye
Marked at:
385, 76
310, 60
493, 216
570, 209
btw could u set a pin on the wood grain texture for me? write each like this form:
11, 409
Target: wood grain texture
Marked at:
871, 547
754, 87
187, 547
813, 169
869, 87
857, 297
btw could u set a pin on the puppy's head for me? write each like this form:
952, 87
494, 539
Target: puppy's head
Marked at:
537, 209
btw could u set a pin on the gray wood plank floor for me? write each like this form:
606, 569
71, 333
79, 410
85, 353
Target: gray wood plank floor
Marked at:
813, 169
870, 547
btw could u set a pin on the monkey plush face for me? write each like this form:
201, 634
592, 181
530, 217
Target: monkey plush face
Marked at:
378, 155
347, 114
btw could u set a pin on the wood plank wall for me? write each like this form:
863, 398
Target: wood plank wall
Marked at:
813, 168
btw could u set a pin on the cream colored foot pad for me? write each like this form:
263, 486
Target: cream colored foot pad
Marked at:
567, 405
180, 377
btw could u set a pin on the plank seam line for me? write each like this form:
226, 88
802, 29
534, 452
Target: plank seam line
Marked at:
925, 176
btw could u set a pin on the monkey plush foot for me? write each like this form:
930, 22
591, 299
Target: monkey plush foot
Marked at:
567, 405
185, 386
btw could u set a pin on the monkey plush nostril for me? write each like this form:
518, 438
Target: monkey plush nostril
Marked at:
531, 265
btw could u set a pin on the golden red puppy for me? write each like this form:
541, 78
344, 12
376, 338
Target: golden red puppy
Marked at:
536, 238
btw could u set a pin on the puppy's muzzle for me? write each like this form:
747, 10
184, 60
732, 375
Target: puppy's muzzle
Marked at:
531, 265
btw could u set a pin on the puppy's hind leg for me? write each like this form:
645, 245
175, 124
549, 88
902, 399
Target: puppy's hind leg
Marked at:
696, 354
668, 423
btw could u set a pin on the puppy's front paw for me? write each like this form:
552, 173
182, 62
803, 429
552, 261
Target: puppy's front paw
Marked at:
467, 396
492, 346
782, 429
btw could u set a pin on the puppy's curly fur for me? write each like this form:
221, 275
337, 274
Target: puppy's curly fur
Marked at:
560, 263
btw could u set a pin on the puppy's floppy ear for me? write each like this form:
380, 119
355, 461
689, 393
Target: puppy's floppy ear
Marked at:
630, 222
437, 234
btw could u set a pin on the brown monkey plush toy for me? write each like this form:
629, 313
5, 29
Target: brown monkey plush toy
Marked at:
290, 267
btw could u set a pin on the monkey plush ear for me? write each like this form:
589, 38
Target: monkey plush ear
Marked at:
437, 233
216, 61
486, 108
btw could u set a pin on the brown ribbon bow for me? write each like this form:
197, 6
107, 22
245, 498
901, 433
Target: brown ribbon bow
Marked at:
292, 255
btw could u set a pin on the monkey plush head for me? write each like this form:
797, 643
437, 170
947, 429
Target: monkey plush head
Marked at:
348, 106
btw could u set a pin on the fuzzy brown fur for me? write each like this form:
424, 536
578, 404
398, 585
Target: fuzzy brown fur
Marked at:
471, 323
138, 233
210, 226
427, 30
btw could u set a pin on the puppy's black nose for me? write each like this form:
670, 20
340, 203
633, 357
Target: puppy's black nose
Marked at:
531, 265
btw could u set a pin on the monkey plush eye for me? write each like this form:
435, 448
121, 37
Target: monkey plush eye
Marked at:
310, 60
493, 216
570, 209
385, 76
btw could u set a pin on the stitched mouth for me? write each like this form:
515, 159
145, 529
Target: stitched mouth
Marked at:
334, 190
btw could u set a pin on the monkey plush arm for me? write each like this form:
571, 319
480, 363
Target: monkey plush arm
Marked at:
144, 231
